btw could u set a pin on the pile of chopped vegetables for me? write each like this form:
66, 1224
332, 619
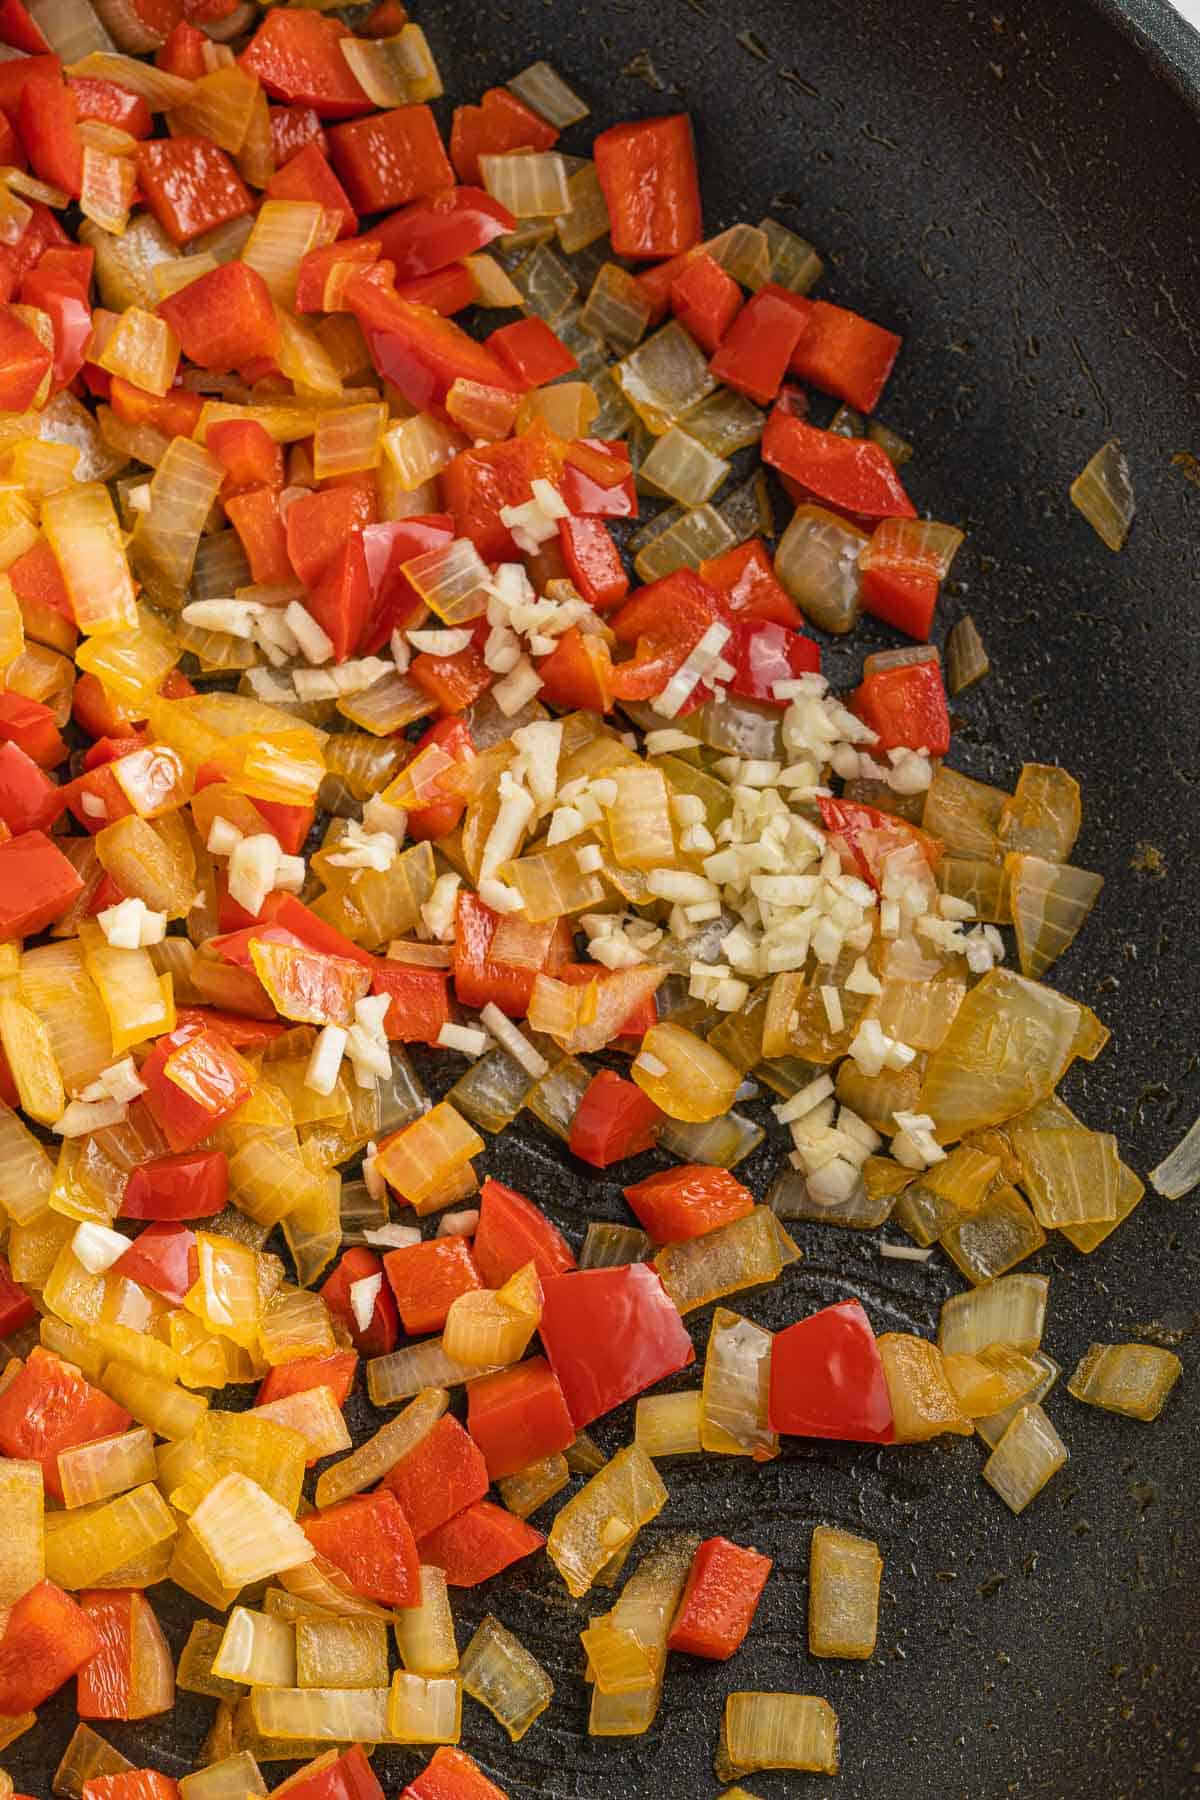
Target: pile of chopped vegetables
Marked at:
387, 706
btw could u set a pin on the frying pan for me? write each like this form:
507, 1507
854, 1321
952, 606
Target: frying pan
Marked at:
1012, 186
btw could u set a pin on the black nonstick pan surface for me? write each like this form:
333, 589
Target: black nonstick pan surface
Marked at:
1014, 187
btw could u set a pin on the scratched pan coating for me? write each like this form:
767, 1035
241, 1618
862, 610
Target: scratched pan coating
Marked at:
1013, 188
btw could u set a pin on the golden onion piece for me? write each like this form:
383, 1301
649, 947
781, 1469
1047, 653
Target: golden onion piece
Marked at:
1131, 1379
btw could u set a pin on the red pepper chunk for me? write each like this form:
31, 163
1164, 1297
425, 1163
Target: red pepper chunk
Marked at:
454, 682
478, 1543
291, 128
18, 30
906, 707
333, 1777
429, 234
308, 176
609, 1334
390, 158
16, 1308
63, 297
298, 58
452, 1775
191, 1186
853, 475
318, 526
163, 1259
192, 1087
706, 300
754, 354
132, 1784
478, 980
190, 185
250, 455
256, 518
335, 1372
427, 1278
394, 601
593, 561
49, 129
24, 363
371, 1542
182, 53
443, 1475
682, 1203
378, 1338
724, 1586
103, 1684
746, 578
500, 123
224, 319
905, 598
827, 1379
29, 799
613, 1120
422, 353
112, 104
647, 171
46, 1638
420, 1005
577, 674
763, 653
845, 355
341, 600
518, 1416
531, 352
863, 837
49, 1407
586, 495
37, 885
511, 1232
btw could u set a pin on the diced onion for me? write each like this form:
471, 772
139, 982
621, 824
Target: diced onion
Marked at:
424, 1709
543, 89
688, 541
617, 311
1008, 1045
396, 71
219, 107
844, 1573
501, 1674
257, 1649
454, 582
694, 1082
1178, 1173
664, 378
376, 1455
531, 184
246, 1533
425, 1632
341, 1653
348, 439
683, 469
817, 561
726, 422
1010, 1310
734, 1402
1044, 814
966, 658
604, 1516
81, 526
1104, 495
586, 218
668, 1425
1028, 1454
778, 1731
106, 194
1131, 1379
320, 1715
284, 231
406, 1372
794, 263
743, 252
161, 90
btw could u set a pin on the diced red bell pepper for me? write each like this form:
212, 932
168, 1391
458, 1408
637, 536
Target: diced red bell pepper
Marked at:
91, 708
292, 915
16, 72
763, 654
319, 524
656, 283
49, 1407
371, 1542
383, 1327
43, 230
162, 1258
49, 129
390, 158
329, 266
478, 1543
864, 836
249, 454
427, 823
479, 483
333, 1777
905, 598
46, 1638
182, 52
531, 352
37, 885
261, 528
755, 352
440, 1476
613, 1120
455, 682
853, 475
102, 1688
387, 547
308, 176
906, 707
420, 1002
224, 319
46, 611
24, 363
131, 1784
59, 294
845, 355
427, 1278
19, 30
16, 1308
478, 977
518, 1416
243, 1033
291, 128
452, 1775
677, 1204
289, 825
96, 798
29, 799
706, 300
445, 291
297, 56
577, 674
336, 1372
431, 233
175, 414
724, 1586
593, 561
746, 578
421, 353
587, 496
192, 1086
609, 1334
827, 1379
193, 1185
511, 1232
112, 104
647, 170
190, 185
500, 123
341, 600
667, 619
